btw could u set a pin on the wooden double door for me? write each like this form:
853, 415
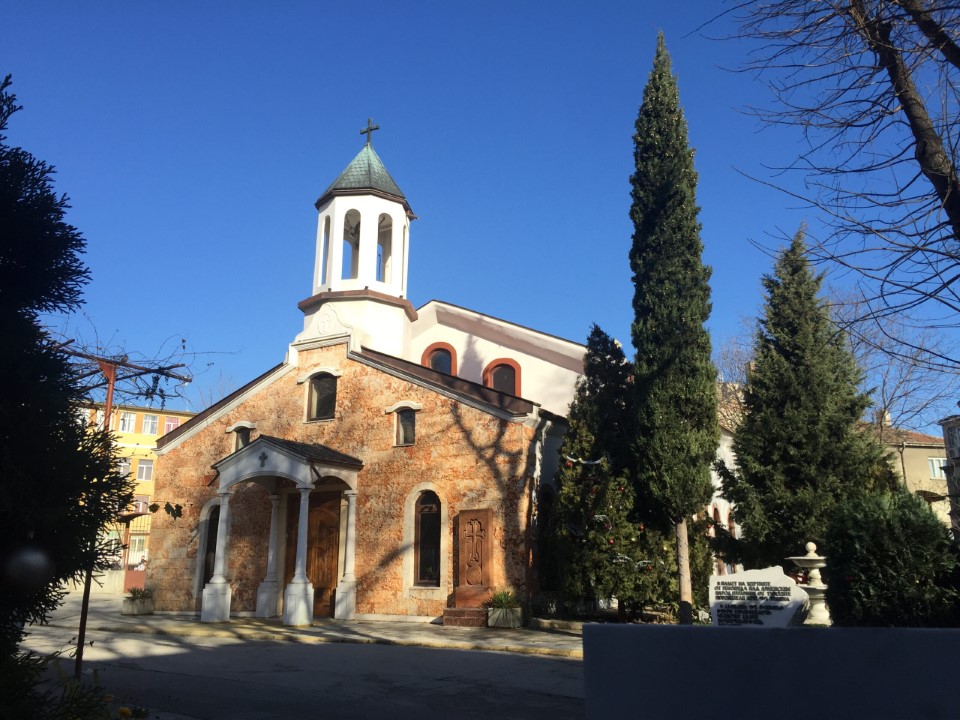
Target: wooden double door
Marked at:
323, 547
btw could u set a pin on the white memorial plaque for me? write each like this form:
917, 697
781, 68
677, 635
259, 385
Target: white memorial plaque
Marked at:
765, 598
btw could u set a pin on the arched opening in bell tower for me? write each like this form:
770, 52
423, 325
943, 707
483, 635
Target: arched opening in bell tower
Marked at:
384, 248
351, 245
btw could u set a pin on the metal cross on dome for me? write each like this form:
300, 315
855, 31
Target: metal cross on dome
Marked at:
368, 131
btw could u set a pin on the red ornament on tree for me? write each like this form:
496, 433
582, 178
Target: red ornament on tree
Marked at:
568, 464
611, 541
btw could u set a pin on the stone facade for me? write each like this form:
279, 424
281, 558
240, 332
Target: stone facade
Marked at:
469, 456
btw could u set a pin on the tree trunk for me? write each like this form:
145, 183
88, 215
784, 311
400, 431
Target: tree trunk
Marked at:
683, 572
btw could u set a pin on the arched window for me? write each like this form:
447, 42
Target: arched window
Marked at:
503, 375
351, 245
440, 357
427, 540
322, 402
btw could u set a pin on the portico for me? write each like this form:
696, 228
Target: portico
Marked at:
268, 461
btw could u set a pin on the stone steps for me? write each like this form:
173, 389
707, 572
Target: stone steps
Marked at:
465, 617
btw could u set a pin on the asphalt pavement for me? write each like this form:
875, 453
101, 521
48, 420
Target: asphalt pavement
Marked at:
543, 638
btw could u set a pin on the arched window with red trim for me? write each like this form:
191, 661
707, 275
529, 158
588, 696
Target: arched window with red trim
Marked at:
440, 356
503, 375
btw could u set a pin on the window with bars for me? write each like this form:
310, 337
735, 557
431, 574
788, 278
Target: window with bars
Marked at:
406, 426
427, 540
323, 397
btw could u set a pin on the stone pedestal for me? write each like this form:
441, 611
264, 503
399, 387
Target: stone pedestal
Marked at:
345, 601
298, 604
268, 598
216, 602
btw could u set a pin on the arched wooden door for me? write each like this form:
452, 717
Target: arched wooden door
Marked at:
323, 547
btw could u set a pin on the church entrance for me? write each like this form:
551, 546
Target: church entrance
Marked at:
323, 547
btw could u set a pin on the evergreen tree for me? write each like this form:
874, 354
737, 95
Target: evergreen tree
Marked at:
60, 484
799, 450
675, 381
602, 551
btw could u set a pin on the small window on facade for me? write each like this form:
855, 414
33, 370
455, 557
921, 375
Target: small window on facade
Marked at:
936, 468
127, 421
441, 361
150, 424
242, 437
504, 379
323, 397
427, 540
406, 426
123, 466
144, 470
171, 424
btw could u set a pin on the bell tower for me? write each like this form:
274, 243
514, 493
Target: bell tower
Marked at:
360, 270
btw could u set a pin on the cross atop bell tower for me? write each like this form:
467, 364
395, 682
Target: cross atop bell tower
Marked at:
369, 130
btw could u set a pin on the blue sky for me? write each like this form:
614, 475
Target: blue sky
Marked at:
194, 138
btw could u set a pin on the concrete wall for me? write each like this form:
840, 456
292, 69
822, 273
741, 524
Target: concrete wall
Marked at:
669, 672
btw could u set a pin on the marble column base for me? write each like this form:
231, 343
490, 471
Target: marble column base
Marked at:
216, 602
298, 603
345, 602
268, 598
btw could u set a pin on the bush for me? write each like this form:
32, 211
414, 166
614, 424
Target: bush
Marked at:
890, 562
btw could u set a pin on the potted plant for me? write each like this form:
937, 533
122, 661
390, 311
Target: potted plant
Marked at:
503, 610
138, 602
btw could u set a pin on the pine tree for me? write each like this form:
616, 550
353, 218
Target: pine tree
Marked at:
675, 381
604, 553
799, 450
60, 483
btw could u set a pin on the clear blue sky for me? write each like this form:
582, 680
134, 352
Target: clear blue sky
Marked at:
194, 138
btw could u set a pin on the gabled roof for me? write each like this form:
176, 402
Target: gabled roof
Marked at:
504, 402
309, 452
365, 174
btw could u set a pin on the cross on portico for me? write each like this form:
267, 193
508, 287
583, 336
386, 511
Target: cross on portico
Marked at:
369, 130
262, 457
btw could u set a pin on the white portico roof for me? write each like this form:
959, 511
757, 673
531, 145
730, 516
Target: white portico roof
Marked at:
271, 457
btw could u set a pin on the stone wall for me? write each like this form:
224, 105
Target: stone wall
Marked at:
469, 458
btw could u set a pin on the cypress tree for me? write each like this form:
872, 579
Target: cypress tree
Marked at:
603, 551
675, 381
799, 449
61, 486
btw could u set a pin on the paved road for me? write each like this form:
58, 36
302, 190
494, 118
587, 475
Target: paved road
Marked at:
213, 678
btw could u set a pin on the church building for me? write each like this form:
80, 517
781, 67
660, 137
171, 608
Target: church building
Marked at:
393, 466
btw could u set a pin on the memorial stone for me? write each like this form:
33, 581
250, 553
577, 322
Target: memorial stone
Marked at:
473, 558
765, 598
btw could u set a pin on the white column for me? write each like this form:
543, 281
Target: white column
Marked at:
298, 595
350, 542
268, 594
215, 605
303, 531
345, 603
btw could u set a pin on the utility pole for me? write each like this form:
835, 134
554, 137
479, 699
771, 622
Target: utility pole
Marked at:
109, 369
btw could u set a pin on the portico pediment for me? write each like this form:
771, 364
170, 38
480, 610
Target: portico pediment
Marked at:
271, 457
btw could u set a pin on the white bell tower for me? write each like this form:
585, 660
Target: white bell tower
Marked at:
360, 271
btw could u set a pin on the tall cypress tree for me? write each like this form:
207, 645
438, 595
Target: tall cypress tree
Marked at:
675, 381
603, 551
799, 449
61, 486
